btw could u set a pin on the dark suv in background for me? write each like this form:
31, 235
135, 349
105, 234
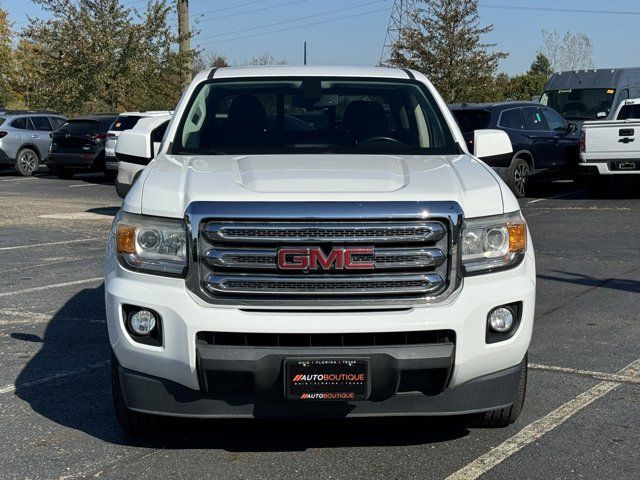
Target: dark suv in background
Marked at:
543, 142
78, 146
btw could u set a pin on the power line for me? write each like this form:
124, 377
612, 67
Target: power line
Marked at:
558, 10
291, 20
231, 8
254, 10
298, 26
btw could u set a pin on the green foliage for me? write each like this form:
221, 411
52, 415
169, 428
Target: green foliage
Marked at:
99, 55
7, 61
446, 45
541, 66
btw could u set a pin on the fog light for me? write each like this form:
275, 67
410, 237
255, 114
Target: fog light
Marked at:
501, 319
142, 322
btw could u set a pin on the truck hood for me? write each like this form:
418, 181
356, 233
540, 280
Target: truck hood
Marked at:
171, 182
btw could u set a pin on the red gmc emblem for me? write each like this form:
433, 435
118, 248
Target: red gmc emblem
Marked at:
314, 258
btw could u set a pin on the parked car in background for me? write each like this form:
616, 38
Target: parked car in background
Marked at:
591, 94
543, 142
78, 146
25, 138
125, 121
611, 148
129, 166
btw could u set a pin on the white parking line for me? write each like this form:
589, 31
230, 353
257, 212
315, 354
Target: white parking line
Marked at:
610, 377
85, 185
537, 429
48, 287
17, 247
556, 196
86, 368
18, 179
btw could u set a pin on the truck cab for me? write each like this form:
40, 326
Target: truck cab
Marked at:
318, 242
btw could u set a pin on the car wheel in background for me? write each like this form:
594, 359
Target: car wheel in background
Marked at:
504, 417
122, 188
27, 162
63, 172
518, 177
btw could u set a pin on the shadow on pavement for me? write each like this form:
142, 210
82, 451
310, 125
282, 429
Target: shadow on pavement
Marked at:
618, 189
76, 340
625, 285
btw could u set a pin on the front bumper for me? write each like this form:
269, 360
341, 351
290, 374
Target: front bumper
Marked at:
175, 367
144, 393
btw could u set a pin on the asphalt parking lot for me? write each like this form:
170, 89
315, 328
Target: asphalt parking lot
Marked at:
581, 415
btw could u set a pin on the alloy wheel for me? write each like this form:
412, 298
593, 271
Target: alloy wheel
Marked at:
28, 162
520, 178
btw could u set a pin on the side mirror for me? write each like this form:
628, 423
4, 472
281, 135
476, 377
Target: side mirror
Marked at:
572, 127
490, 143
134, 147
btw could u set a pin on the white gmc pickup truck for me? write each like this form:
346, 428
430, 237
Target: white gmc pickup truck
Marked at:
318, 242
611, 148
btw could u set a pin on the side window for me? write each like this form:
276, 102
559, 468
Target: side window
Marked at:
56, 122
41, 124
624, 95
21, 123
533, 119
555, 121
511, 119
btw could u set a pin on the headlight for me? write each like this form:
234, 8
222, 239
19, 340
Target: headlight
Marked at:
152, 244
491, 243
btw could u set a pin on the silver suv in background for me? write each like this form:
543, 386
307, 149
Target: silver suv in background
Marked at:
25, 138
125, 121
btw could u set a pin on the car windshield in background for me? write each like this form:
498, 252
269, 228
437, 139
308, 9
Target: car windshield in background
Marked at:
580, 104
311, 115
471, 120
629, 111
80, 127
124, 123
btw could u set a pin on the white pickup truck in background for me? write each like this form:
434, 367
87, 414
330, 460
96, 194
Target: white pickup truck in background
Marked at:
611, 147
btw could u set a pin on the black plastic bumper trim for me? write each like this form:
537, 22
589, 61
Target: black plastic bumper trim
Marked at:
153, 395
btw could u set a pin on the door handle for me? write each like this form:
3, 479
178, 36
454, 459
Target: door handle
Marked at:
35, 136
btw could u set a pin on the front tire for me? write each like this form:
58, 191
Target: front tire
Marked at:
504, 417
518, 177
134, 423
27, 162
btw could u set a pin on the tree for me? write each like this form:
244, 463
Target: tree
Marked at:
446, 45
99, 55
571, 52
7, 61
263, 59
541, 66
209, 60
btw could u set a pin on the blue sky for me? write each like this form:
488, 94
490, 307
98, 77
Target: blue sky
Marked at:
357, 37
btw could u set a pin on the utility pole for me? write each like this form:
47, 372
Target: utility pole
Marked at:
305, 53
184, 37
402, 15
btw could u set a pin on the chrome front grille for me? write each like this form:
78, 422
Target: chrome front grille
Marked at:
399, 253
338, 232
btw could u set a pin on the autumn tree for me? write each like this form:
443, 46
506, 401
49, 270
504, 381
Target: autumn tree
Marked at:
446, 44
100, 55
571, 51
7, 63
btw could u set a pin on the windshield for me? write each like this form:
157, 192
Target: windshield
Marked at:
312, 115
125, 122
580, 104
